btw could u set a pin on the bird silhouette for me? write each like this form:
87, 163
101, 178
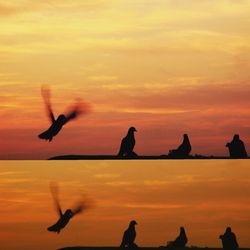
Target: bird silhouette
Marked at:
57, 124
127, 144
65, 217
129, 236
180, 241
229, 240
183, 150
237, 148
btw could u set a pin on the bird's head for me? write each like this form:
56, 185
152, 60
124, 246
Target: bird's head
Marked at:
61, 118
236, 137
132, 223
132, 130
69, 212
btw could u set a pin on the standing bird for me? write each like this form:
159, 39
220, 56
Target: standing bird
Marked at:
129, 236
183, 150
180, 241
229, 240
127, 144
237, 148
69, 213
62, 119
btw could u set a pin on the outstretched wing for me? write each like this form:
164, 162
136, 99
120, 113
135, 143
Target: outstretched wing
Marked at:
82, 206
78, 109
45, 91
54, 192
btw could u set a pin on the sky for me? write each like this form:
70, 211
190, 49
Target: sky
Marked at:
202, 196
166, 67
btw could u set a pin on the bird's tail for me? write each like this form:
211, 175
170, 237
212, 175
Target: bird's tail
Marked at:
45, 136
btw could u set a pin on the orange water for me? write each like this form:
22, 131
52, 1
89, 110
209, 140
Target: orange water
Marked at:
203, 196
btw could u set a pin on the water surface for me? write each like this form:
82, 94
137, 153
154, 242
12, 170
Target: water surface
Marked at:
204, 196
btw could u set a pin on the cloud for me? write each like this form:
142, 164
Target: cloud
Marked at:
6, 10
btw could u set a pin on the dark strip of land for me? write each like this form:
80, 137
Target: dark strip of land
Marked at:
142, 248
142, 157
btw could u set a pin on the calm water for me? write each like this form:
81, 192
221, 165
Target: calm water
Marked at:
203, 196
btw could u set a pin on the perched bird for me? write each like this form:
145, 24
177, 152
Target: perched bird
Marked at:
180, 241
64, 218
183, 150
229, 240
127, 144
129, 236
62, 119
237, 148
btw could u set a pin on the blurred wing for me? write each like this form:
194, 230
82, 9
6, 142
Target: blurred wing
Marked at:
54, 192
45, 91
78, 109
82, 206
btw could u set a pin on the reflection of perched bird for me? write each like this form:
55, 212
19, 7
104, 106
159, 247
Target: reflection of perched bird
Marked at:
229, 240
129, 236
69, 213
183, 150
180, 241
62, 119
127, 144
237, 148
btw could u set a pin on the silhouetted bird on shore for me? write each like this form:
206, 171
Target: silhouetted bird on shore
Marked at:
127, 145
180, 241
69, 213
237, 148
129, 236
229, 241
62, 119
183, 150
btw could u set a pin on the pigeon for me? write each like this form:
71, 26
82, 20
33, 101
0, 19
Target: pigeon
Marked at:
62, 119
127, 144
180, 241
237, 148
65, 217
183, 150
129, 236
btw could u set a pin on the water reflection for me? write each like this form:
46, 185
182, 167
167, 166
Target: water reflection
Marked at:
202, 196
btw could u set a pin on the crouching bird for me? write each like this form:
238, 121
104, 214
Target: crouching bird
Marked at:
183, 150
128, 144
57, 124
129, 236
65, 217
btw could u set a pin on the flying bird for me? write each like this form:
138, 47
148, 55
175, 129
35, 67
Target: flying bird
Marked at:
127, 144
129, 236
65, 217
57, 124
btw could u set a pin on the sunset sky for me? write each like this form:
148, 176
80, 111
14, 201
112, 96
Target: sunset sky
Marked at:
167, 67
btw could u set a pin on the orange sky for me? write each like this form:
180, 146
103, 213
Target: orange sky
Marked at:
167, 67
203, 196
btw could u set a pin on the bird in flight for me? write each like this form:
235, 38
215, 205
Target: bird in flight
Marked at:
65, 217
57, 124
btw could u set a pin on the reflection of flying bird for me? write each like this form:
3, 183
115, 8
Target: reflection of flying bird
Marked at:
69, 213
62, 119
